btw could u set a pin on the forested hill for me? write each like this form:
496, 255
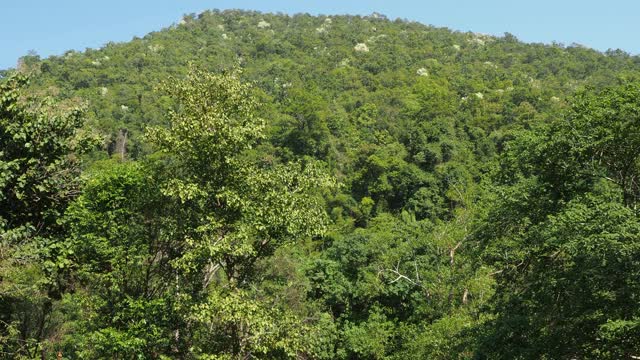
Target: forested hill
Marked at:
321, 73
247, 185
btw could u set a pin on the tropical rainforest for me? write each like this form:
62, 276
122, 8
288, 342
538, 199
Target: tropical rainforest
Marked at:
243, 185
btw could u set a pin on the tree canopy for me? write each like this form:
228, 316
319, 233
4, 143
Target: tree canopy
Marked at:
263, 186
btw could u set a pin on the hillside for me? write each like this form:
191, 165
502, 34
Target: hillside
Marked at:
324, 187
288, 55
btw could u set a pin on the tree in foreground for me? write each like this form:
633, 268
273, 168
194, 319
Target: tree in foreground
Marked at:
171, 245
564, 231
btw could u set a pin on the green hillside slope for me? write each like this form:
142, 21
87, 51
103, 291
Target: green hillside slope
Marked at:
321, 187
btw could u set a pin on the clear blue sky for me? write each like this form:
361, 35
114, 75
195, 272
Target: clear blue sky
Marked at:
52, 27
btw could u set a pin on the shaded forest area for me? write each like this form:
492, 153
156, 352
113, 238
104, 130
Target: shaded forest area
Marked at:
244, 185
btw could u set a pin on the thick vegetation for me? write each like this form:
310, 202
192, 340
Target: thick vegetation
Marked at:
244, 185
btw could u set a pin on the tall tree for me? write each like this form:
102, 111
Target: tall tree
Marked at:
178, 236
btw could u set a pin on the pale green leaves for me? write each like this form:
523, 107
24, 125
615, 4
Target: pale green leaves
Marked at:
215, 119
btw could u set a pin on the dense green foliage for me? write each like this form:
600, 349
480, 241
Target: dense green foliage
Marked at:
40, 143
245, 185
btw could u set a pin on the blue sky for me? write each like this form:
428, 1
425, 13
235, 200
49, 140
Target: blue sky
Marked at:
52, 27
